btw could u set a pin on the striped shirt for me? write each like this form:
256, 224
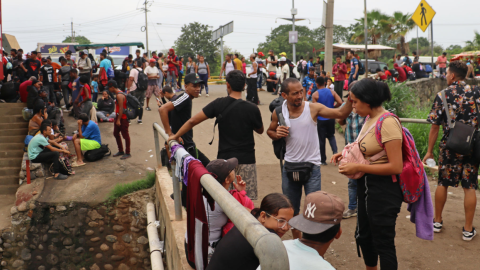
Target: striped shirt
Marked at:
354, 124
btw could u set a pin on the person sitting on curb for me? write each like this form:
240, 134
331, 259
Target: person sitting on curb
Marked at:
88, 138
106, 108
320, 226
40, 151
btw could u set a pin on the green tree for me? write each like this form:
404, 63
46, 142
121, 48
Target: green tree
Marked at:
454, 49
215, 68
376, 27
422, 42
398, 26
78, 39
474, 44
196, 38
341, 34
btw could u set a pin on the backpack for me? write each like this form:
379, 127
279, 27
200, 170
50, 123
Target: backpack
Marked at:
65, 167
305, 70
142, 80
412, 76
276, 103
133, 106
97, 154
279, 146
412, 177
299, 67
394, 73
291, 66
428, 69
110, 73
361, 68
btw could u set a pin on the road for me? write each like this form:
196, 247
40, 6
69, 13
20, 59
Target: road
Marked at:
447, 251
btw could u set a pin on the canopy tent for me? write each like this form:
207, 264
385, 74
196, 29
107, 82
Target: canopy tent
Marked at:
337, 47
103, 45
465, 55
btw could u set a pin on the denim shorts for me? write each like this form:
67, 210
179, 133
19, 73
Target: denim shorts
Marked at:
294, 190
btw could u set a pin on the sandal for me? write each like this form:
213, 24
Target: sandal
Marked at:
75, 164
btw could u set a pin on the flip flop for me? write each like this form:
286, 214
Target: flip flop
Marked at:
75, 164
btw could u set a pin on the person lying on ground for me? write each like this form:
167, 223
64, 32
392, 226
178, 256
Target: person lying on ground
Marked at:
40, 151
218, 222
88, 138
106, 108
320, 226
234, 252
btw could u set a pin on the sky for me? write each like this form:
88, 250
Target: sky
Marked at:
122, 20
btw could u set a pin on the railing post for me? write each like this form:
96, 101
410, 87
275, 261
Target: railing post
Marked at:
177, 196
157, 148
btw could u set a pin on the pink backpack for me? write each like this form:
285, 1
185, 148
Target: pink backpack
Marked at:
412, 176
352, 154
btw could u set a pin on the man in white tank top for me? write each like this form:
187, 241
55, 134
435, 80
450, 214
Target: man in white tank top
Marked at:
302, 146
228, 65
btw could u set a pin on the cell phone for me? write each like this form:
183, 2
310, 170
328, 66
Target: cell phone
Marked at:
157, 99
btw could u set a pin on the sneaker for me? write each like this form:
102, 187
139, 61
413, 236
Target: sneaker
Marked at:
201, 95
148, 109
100, 120
324, 164
63, 177
111, 120
126, 156
468, 236
139, 121
118, 154
349, 213
63, 107
207, 95
437, 226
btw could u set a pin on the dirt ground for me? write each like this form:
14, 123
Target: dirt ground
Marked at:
447, 251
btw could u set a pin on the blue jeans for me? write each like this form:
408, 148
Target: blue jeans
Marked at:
351, 78
352, 194
293, 190
204, 78
259, 80
326, 130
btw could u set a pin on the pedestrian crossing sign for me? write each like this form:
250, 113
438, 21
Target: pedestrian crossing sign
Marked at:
423, 15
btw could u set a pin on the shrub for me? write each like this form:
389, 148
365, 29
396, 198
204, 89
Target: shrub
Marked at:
402, 100
123, 189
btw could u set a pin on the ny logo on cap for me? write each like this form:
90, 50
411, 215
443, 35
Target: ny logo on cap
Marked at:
309, 212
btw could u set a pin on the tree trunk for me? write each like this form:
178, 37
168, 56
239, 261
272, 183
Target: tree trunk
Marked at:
402, 45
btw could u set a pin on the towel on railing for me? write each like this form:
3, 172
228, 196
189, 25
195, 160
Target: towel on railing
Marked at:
179, 154
421, 213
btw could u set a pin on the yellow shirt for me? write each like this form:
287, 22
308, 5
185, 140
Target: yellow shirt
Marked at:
238, 64
391, 130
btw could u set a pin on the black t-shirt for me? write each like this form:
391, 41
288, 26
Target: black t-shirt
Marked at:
419, 73
47, 74
180, 115
32, 95
233, 252
140, 61
236, 128
32, 66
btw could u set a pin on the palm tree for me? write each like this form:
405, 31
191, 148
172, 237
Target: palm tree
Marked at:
474, 44
375, 27
398, 26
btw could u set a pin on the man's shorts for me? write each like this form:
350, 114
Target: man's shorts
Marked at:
152, 89
455, 170
86, 144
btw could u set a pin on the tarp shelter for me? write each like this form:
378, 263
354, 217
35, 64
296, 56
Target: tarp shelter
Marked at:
103, 45
9, 42
346, 47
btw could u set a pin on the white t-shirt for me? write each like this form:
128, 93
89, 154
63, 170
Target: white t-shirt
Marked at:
332, 87
134, 74
285, 69
216, 220
151, 71
303, 257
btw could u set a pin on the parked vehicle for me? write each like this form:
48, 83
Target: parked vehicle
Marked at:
373, 65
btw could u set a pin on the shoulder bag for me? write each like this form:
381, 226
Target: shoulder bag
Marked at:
461, 136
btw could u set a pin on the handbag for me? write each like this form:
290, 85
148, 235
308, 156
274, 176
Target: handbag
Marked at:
461, 136
352, 153
476, 143
298, 172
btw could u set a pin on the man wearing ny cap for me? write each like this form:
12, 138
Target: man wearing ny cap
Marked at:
175, 113
320, 226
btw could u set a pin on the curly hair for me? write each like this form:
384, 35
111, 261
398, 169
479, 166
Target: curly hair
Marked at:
459, 68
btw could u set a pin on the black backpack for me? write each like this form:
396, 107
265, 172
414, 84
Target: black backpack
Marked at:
361, 68
291, 66
142, 80
279, 146
394, 73
276, 103
133, 106
97, 154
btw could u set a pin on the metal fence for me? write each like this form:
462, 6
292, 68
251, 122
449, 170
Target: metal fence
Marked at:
413, 120
268, 247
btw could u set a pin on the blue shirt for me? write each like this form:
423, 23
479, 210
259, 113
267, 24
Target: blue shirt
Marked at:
310, 85
353, 63
309, 64
106, 64
91, 132
94, 87
326, 98
76, 89
36, 146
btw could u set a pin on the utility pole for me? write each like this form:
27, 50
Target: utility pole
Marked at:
72, 36
146, 26
366, 40
329, 36
293, 29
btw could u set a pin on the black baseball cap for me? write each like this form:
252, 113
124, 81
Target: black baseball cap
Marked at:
112, 83
44, 59
192, 78
221, 168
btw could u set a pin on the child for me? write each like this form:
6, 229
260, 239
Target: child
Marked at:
94, 88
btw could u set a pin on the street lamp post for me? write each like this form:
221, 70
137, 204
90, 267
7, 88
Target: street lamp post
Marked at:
294, 12
366, 41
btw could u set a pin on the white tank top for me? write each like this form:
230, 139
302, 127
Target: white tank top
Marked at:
165, 67
229, 67
302, 144
253, 76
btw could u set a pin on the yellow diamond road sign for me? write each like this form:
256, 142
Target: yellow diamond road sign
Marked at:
423, 15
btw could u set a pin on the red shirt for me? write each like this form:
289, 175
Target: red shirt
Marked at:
402, 76
117, 108
23, 90
82, 94
388, 74
342, 68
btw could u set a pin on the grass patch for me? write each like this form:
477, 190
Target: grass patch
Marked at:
338, 128
123, 189
220, 82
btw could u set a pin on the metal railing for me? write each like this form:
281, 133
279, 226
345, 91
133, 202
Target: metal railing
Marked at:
414, 120
268, 247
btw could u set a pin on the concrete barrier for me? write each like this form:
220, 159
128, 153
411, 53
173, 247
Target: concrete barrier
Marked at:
172, 232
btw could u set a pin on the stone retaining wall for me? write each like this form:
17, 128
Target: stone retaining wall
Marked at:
74, 236
425, 89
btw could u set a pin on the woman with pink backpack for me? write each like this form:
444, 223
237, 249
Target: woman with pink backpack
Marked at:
379, 197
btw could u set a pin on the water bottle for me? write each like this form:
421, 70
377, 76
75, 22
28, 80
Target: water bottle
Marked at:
431, 162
